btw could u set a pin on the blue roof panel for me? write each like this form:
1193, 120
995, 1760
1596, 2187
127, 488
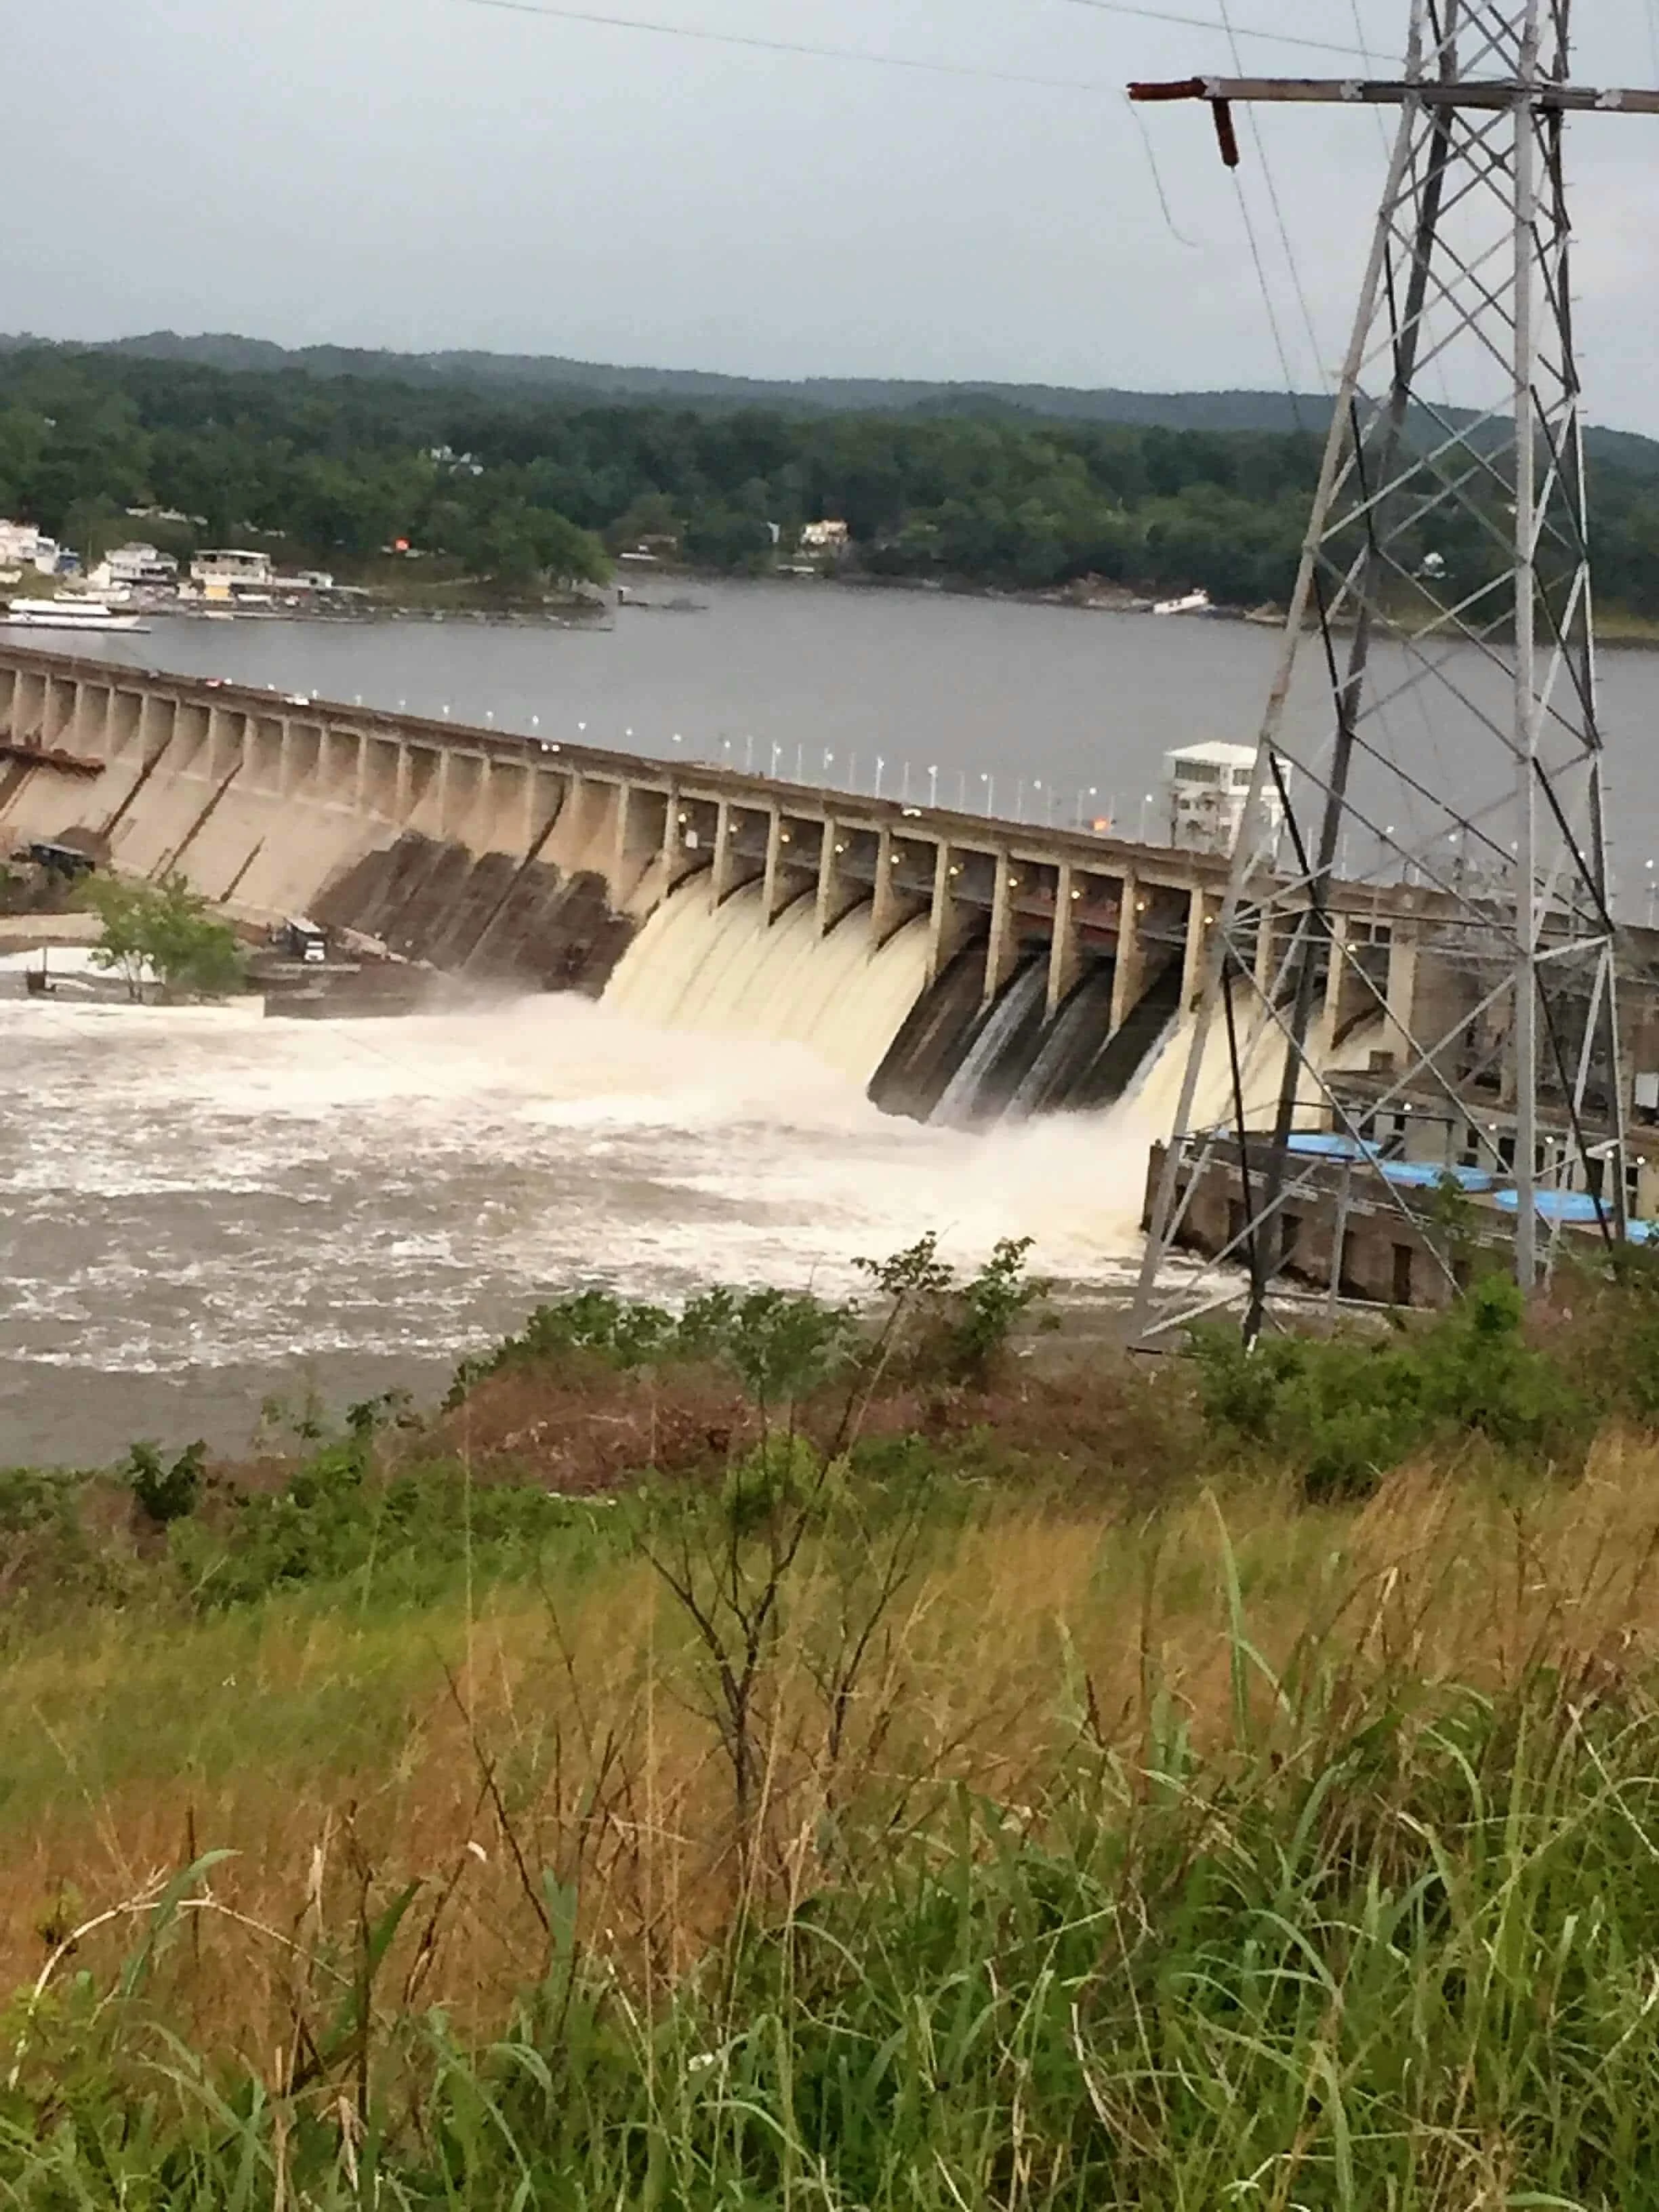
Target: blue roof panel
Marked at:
1557, 1205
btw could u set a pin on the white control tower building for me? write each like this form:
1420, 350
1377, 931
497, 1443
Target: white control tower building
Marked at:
1208, 789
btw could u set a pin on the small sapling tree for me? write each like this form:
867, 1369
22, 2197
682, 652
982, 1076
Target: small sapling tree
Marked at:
166, 934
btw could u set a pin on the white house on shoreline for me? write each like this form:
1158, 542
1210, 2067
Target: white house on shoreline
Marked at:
136, 566
24, 546
227, 573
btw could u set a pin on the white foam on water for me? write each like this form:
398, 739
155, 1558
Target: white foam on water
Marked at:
187, 1187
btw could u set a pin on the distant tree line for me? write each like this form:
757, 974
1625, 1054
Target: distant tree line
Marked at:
512, 488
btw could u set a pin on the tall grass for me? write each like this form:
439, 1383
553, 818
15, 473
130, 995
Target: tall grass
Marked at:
1255, 1854
854, 1830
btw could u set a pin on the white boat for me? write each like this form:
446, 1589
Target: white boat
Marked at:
67, 614
1195, 603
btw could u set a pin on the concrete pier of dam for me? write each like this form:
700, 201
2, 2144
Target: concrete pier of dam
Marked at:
998, 966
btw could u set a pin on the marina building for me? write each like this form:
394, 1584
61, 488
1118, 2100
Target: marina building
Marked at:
24, 546
831, 538
228, 567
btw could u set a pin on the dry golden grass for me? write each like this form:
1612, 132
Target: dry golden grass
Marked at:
538, 1753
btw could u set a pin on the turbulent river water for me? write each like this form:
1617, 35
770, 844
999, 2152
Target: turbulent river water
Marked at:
199, 1207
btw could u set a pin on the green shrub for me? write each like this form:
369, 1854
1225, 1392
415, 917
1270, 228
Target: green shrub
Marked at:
623, 1333
1611, 1336
990, 1305
47, 1551
783, 1345
937, 1330
340, 1520
1340, 1412
166, 1493
34, 1497
780, 1344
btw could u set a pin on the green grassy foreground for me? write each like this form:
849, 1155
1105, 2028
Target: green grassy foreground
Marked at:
763, 1758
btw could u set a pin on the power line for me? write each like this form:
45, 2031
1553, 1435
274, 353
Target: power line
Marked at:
1279, 346
706, 37
1179, 236
1210, 23
1233, 36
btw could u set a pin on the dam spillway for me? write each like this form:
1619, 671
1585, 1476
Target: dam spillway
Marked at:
951, 964
732, 970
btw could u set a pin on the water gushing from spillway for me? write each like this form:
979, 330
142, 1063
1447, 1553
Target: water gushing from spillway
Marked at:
725, 971
1017, 1002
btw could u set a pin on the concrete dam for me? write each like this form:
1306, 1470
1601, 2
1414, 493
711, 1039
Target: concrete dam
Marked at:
958, 968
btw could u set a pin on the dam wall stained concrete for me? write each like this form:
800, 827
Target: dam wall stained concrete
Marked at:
951, 962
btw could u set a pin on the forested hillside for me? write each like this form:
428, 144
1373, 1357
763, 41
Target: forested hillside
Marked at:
555, 376
510, 486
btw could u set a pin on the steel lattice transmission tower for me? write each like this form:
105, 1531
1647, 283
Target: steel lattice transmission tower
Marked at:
1430, 736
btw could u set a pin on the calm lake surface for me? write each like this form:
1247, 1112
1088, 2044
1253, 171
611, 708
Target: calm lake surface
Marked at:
1046, 713
198, 1206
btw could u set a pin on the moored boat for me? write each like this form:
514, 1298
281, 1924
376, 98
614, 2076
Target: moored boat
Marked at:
96, 615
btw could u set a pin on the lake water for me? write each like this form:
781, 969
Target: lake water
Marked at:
198, 1206
1014, 705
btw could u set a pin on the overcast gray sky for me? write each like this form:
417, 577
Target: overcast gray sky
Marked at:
422, 173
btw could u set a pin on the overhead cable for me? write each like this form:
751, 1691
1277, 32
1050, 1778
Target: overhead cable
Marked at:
1179, 235
706, 36
1210, 23
1288, 251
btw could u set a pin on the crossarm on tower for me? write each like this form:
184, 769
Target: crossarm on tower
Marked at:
1392, 91
1220, 92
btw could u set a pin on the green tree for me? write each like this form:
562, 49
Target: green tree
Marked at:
514, 545
567, 554
93, 525
722, 538
337, 463
648, 515
164, 934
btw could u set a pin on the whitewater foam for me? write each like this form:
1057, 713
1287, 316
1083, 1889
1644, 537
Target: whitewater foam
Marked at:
175, 1167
